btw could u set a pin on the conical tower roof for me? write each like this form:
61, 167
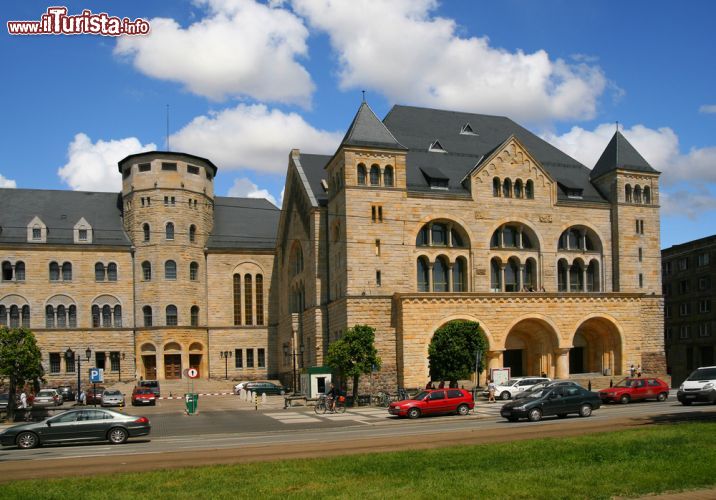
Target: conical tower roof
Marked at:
620, 154
368, 131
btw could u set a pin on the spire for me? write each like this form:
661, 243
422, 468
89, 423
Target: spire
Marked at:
367, 130
620, 154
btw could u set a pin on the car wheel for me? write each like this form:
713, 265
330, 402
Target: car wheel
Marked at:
585, 411
505, 395
535, 415
413, 413
27, 440
662, 396
686, 403
625, 399
562, 415
512, 419
117, 435
463, 410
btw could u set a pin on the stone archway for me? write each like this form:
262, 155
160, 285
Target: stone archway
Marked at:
172, 361
196, 357
531, 348
596, 347
149, 361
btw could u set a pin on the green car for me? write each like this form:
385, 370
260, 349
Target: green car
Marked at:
267, 388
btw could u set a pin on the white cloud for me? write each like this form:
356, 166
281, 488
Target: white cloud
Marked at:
708, 108
93, 166
242, 48
7, 183
244, 188
692, 204
411, 56
252, 137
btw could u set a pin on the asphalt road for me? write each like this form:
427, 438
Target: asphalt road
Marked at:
231, 433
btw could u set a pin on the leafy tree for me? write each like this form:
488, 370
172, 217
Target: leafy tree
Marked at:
452, 350
354, 354
20, 361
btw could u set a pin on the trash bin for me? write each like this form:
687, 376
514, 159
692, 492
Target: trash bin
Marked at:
192, 402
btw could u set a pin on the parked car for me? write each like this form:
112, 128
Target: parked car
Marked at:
699, 386
560, 401
94, 395
239, 386
542, 385
5, 398
143, 396
635, 389
67, 393
265, 388
153, 385
77, 425
434, 401
112, 397
516, 385
47, 397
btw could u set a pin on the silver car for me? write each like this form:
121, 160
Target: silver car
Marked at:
47, 397
112, 397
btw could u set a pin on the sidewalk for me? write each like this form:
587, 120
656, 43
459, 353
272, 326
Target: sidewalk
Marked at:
706, 494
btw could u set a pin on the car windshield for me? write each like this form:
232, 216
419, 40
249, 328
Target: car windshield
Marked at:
510, 382
148, 383
537, 394
4, 397
703, 374
420, 396
112, 393
627, 382
144, 391
44, 394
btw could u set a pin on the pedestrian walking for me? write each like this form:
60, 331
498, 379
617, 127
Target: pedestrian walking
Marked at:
23, 400
638, 370
632, 371
491, 388
83, 398
441, 385
429, 385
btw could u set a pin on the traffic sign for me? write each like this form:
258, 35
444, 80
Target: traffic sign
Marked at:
96, 375
192, 373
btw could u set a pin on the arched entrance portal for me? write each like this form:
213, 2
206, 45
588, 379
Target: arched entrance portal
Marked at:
172, 361
596, 348
196, 356
530, 349
149, 361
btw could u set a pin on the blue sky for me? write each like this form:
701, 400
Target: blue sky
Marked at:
248, 81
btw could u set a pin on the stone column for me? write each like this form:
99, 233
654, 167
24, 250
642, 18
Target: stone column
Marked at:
583, 235
562, 363
502, 277
494, 359
449, 271
430, 276
569, 272
519, 238
449, 235
584, 279
521, 278
430, 234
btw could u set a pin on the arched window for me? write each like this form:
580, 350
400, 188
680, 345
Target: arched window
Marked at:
112, 272
146, 271
423, 239
61, 317
49, 317
169, 231
106, 316
459, 275
67, 271
6, 271
361, 174
237, 299
529, 278
637, 194
170, 270
439, 235
194, 315
192, 233
593, 277
26, 316
495, 275
562, 275
574, 242
73, 316
423, 274
496, 185
14, 317
3, 315
118, 316
259, 299
388, 176
248, 306
171, 311
54, 271
99, 271
193, 271
530, 190
19, 271
579, 239
145, 228
512, 273
576, 276
509, 237
518, 188
647, 200
147, 313
507, 188
627, 193
375, 175
95, 317
440, 275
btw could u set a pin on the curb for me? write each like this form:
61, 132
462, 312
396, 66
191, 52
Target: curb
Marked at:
200, 394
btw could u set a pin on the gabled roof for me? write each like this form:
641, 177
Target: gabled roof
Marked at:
314, 167
620, 154
367, 130
243, 223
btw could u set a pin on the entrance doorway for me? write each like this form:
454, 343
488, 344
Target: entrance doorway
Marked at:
195, 362
172, 366
150, 367
576, 360
512, 359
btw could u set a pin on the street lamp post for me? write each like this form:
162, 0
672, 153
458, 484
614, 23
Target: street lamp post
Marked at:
226, 355
294, 354
478, 355
70, 355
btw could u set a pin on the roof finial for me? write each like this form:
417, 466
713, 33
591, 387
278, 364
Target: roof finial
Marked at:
363, 91
617, 125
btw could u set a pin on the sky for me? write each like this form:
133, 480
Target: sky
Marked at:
242, 82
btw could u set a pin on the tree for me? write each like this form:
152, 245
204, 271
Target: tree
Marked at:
354, 354
452, 350
20, 361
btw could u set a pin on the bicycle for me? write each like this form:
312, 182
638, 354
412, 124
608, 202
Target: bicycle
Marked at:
324, 405
382, 399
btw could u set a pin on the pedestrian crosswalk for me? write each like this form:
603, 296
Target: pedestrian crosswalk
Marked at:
360, 415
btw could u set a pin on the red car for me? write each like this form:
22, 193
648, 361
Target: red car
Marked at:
94, 395
430, 402
635, 389
143, 396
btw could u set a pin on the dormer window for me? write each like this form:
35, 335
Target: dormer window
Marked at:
575, 194
435, 178
82, 231
83, 235
436, 147
467, 130
36, 231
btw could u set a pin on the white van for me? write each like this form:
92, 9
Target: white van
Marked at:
699, 386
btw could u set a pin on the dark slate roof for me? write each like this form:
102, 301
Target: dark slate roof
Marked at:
367, 130
314, 168
620, 154
60, 211
176, 155
244, 223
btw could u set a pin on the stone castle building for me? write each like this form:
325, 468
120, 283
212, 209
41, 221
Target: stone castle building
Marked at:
422, 218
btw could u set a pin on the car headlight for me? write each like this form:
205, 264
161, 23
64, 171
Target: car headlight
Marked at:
519, 408
709, 385
681, 387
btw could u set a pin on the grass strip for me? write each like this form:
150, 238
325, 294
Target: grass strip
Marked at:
626, 463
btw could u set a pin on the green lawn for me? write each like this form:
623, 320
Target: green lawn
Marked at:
626, 463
